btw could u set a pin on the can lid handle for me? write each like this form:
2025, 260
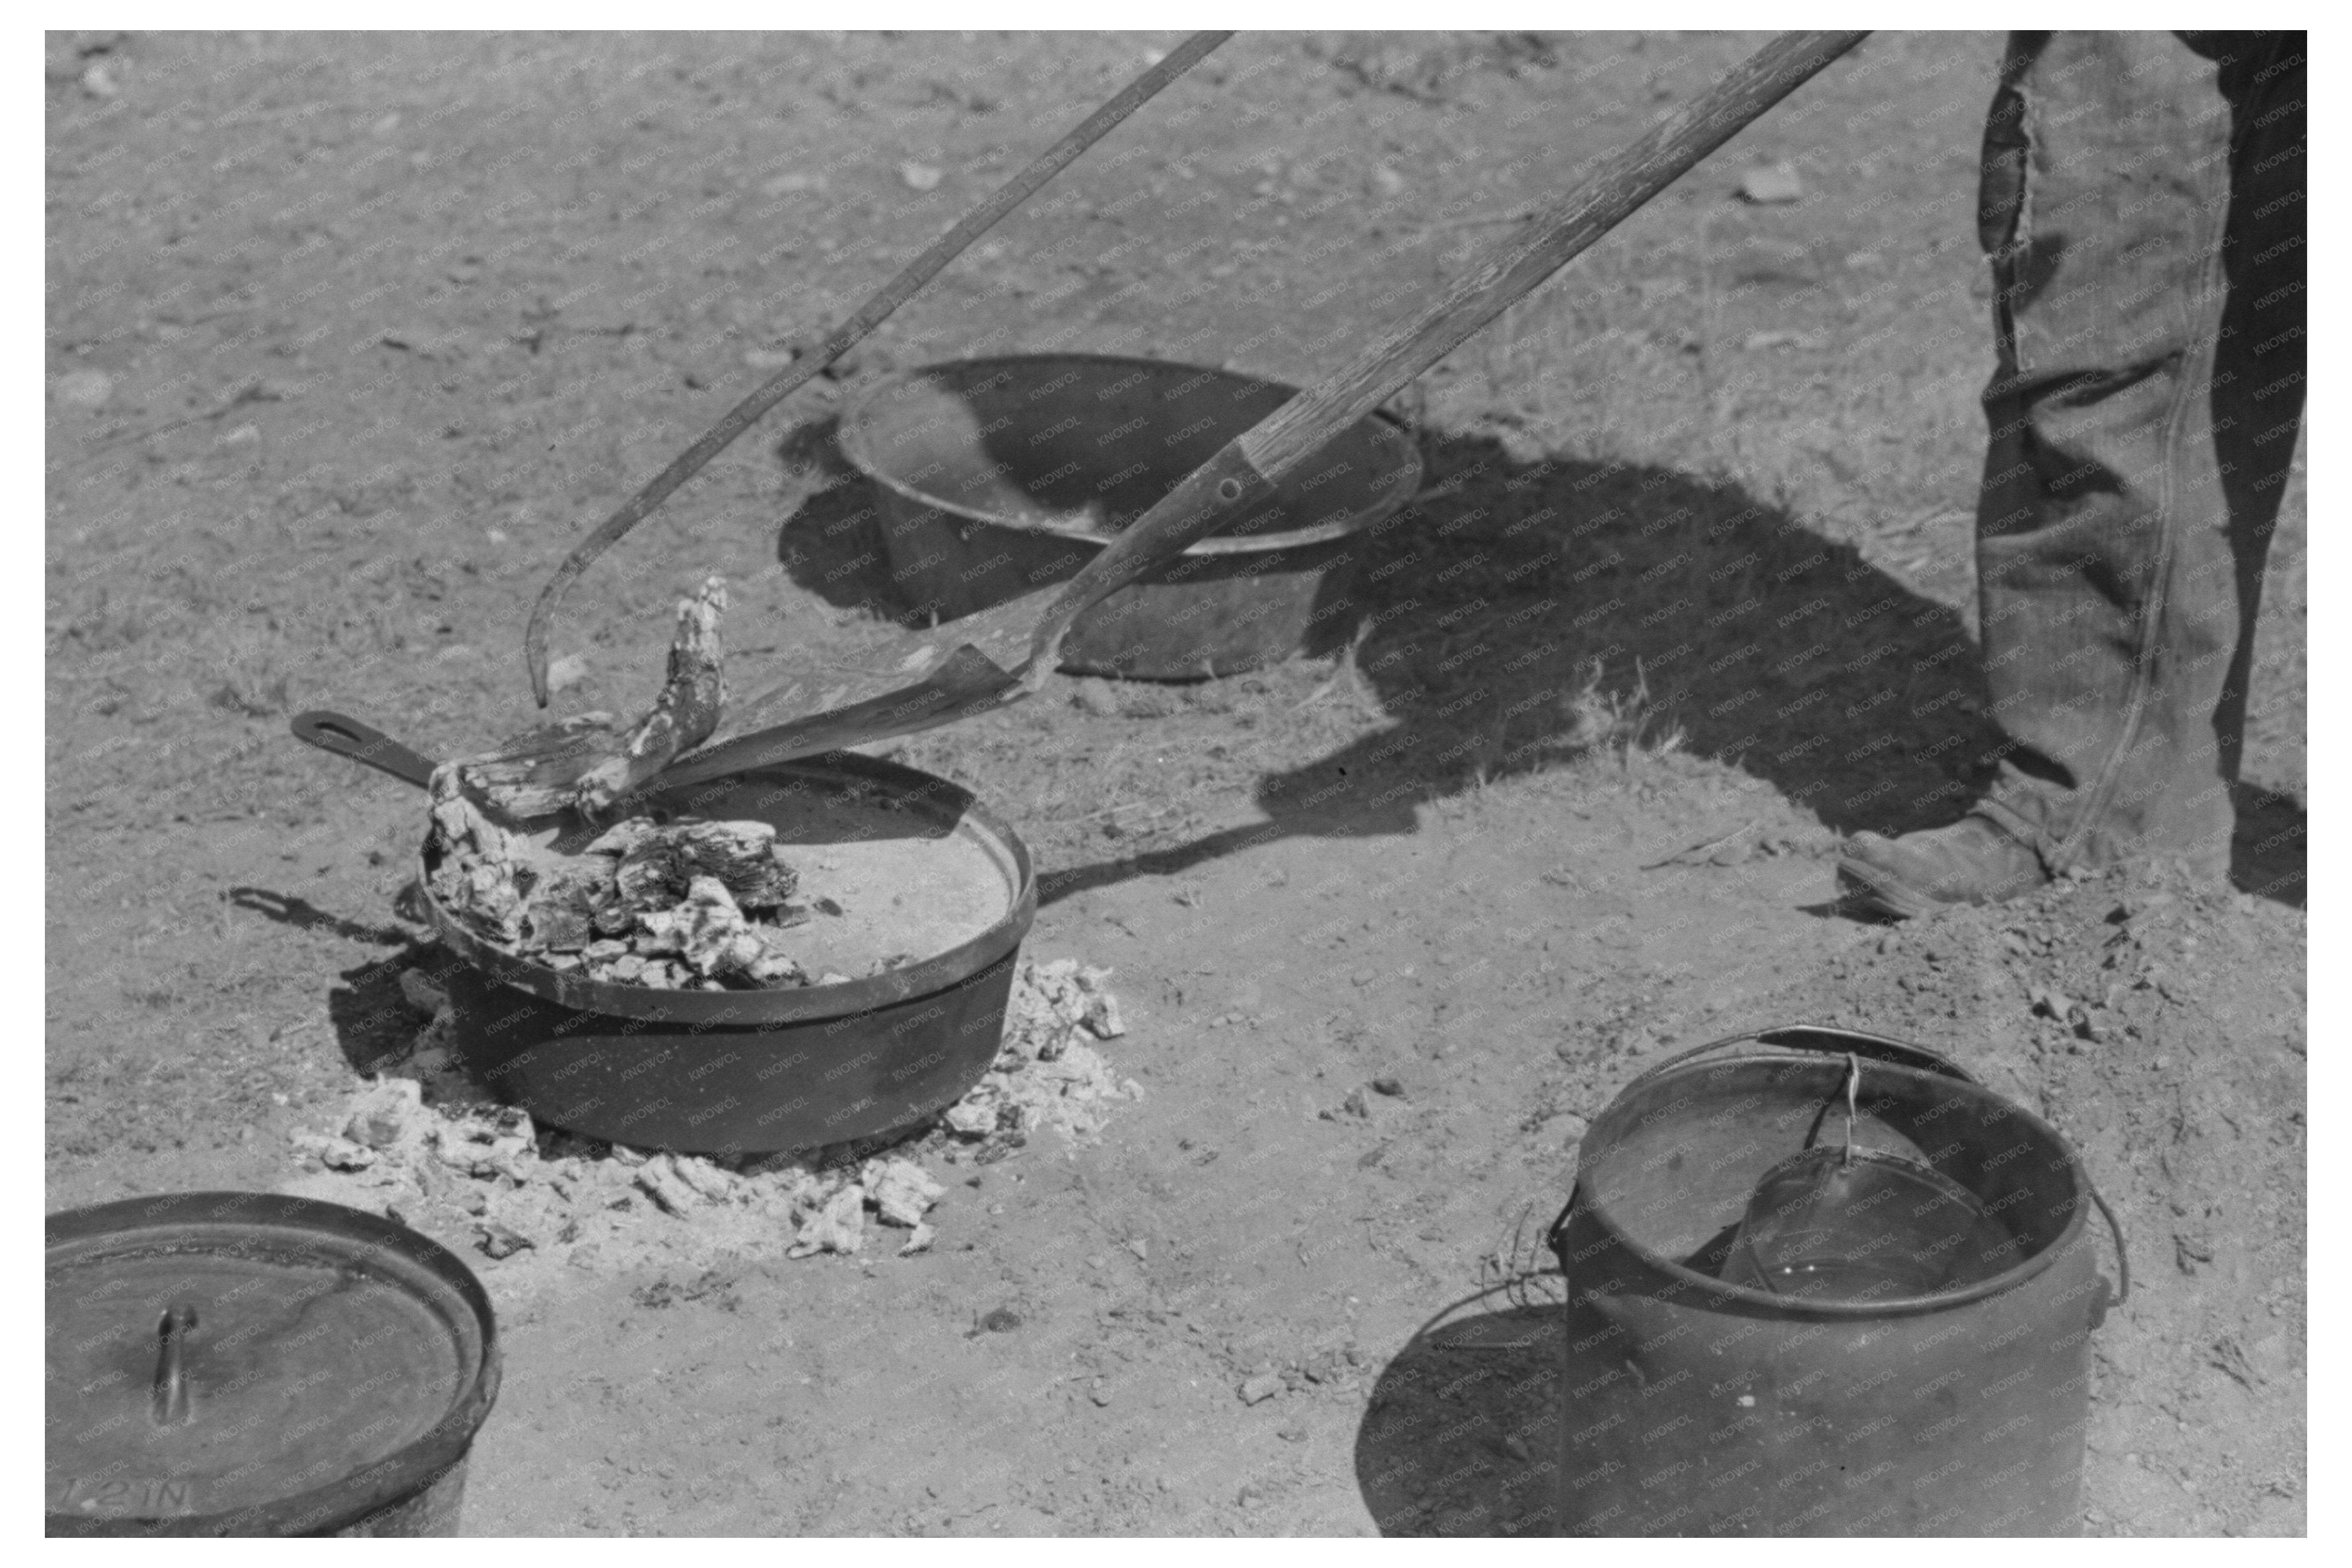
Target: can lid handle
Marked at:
1830, 1040
2123, 1255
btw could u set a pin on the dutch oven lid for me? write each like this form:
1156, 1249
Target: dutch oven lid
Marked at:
253, 1365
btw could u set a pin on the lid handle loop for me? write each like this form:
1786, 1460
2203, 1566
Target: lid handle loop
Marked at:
172, 1407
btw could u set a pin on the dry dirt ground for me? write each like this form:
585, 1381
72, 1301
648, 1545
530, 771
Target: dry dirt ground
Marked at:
347, 338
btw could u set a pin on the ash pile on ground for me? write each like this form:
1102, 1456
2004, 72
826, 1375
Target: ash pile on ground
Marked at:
2161, 1028
424, 1144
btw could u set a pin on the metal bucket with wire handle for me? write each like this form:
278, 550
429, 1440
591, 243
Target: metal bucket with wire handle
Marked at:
1778, 1324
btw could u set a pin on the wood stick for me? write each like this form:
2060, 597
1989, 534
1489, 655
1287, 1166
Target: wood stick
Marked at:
534, 775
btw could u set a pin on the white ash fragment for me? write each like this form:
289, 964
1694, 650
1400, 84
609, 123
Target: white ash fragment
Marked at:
501, 1145
621, 837
566, 906
481, 863
1045, 1074
714, 1182
1061, 995
659, 1180
432, 1057
711, 934
902, 1192
1081, 1075
387, 1112
566, 672
422, 992
838, 1227
659, 866
971, 1117
1102, 1015
334, 1152
515, 1146
502, 1241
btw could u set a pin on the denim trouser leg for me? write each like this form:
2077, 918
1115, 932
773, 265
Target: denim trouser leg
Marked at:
2142, 203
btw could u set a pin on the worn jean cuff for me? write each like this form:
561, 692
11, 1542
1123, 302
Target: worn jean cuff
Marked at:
2022, 829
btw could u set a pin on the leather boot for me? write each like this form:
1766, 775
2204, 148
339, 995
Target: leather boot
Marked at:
1971, 862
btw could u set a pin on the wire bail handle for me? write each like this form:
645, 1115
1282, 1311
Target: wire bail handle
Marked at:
1852, 1088
1856, 1044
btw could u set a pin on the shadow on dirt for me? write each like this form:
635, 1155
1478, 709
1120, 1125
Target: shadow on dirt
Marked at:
1520, 612
2266, 854
374, 1025
1461, 1433
288, 910
832, 544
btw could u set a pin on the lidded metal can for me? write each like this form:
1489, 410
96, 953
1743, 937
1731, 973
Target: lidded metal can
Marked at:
245, 1363
1916, 1387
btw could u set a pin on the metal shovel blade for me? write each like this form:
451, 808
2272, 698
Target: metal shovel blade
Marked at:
963, 684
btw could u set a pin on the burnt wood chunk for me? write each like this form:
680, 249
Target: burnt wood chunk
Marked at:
560, 914
683, 715
709, 932
586, 763
478, 877
660, 865
536, 774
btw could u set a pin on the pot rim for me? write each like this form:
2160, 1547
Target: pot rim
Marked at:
2010, 1279
704, 1011
851, 436
399, 1475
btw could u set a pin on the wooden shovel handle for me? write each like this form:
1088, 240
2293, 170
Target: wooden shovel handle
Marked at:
1247, 469
839, 342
